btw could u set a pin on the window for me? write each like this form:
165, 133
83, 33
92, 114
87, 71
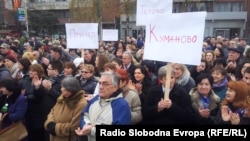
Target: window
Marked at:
228, 7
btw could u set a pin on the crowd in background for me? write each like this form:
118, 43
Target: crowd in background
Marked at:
61, 93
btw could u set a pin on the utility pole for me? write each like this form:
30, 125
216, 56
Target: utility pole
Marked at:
99, 15
26, 17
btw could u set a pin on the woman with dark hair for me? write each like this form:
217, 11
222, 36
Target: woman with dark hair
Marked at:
209, 57
220, 62
117, 62
196, 70
69, 69
17, 103
34, 113
118, 52
246, 76
247, 54
151, 68
204, 101
100, 61
23, 75
23, 65
220, 79
141, 80
65, 116
219, 53
234, 108
241, 69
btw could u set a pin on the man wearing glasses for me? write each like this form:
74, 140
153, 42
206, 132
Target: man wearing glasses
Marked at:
107, 108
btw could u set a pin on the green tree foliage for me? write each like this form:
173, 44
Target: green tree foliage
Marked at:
84, 11
94, 10
127, 7
43, 22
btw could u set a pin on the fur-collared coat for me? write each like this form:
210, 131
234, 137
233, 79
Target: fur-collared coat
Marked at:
66, 114
134, 102
213, 106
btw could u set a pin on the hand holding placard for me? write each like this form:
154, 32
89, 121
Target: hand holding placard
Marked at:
168, 78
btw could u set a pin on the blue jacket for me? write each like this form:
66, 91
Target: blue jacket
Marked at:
16, 111
112, 111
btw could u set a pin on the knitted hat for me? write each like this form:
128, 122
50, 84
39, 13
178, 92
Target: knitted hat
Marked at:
26, 45
5, 45
78, 61
11, 58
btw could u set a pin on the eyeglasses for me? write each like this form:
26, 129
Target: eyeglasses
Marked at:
85, 72
49, 69
104, 84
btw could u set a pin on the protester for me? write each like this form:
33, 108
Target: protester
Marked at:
130, 95
204, 101
17, 103
65, 116
172, 110
234, 108
110, 96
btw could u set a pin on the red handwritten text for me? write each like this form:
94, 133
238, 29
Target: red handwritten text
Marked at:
76, 34
147, 11
170, 38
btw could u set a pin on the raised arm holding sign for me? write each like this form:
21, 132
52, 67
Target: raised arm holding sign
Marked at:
170, 38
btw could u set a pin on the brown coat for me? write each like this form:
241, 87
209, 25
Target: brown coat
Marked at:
66, 114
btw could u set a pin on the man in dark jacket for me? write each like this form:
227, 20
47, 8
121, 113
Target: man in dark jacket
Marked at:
176, 109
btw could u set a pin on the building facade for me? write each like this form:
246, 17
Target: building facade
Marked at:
228, 18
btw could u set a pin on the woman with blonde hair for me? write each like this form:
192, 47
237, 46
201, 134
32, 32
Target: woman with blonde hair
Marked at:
30, 56
183, 77
236, 105
87, 79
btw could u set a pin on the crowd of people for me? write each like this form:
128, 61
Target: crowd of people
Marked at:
62, 94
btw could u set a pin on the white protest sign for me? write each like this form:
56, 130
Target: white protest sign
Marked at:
82, 35
110, 35
147, 9
175, 38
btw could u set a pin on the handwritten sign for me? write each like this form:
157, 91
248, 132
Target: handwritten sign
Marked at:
175, 38
147, 9
110, 35
82, 35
